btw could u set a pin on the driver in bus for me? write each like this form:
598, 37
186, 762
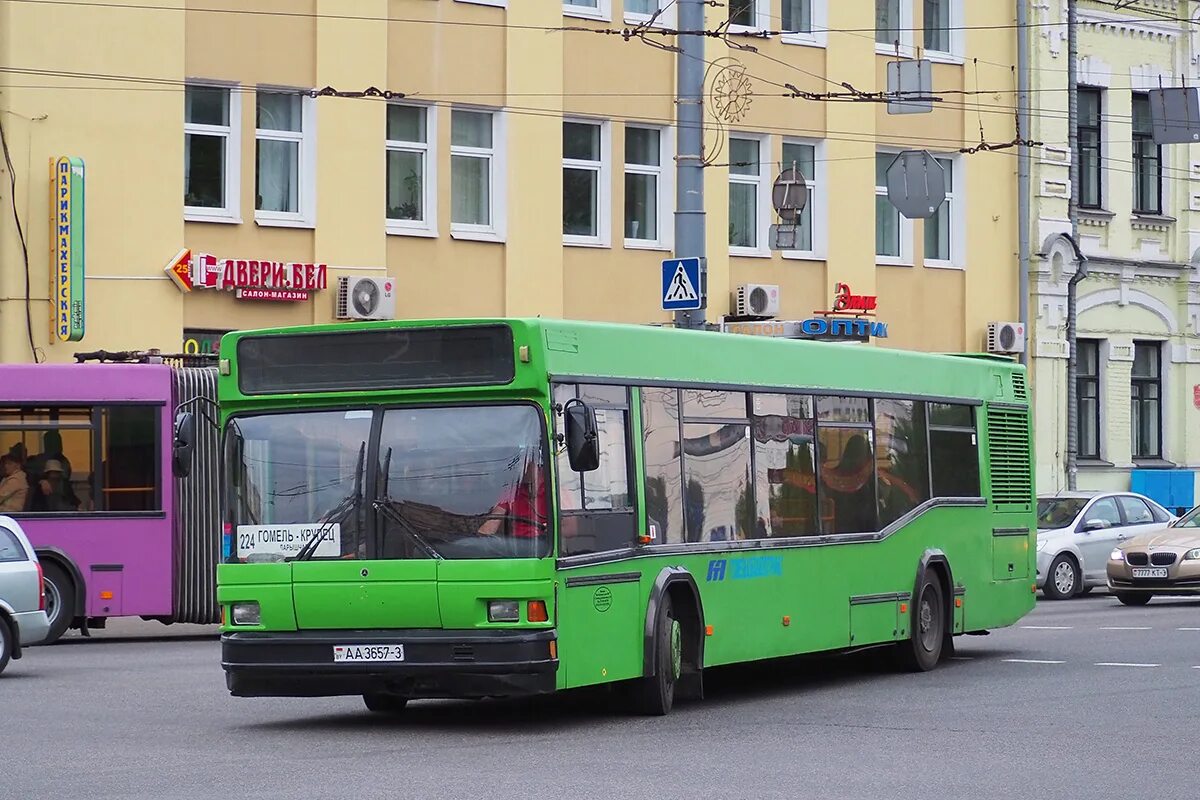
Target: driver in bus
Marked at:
524, 510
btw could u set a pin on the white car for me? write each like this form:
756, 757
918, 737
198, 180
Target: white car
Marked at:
23, 618
1078, 530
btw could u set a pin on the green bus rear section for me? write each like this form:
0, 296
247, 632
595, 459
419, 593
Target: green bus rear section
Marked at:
760, 598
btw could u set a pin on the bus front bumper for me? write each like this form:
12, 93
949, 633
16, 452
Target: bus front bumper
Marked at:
437, 663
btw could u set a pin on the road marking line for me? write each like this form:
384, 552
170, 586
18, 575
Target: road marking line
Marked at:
1187, 629
1123, 664
1127, 628
1047, 627
1031, 661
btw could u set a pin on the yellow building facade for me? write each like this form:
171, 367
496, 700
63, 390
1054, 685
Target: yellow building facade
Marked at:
491, 158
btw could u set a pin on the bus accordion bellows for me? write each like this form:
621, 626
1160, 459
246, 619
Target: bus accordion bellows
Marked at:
473, 508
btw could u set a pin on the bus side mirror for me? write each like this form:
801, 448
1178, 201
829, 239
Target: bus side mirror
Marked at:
583, 441
184, 444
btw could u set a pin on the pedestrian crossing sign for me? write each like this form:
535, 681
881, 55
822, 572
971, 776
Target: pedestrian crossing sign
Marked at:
681, 284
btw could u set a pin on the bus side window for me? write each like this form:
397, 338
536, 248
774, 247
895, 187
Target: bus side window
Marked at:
953, 453
596, 507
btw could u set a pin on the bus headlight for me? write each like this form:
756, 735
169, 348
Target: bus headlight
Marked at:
1192, 555
504, 611
1116, 555
247, 613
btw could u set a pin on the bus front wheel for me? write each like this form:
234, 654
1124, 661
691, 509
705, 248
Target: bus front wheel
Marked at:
655, 694
923, 649
60, 600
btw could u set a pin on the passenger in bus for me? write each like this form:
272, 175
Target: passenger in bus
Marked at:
524, 510
54, 490
51, 451
14, 486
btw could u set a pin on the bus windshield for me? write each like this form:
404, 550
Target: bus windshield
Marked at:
450, 482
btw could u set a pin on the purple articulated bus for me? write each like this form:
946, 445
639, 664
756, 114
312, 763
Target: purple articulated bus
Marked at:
92, 444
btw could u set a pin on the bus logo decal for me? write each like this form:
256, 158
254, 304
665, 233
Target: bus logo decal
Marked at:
743, 569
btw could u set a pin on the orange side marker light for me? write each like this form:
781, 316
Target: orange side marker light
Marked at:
786, 620
106, 595
958, 602
708, 630
904, 608
553, 648
537, 611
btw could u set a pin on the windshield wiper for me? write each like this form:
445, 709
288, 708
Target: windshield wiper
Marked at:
387, 507
339, 513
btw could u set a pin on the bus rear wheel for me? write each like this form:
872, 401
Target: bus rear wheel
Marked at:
385, 703
923, 649
60, 600
654, 695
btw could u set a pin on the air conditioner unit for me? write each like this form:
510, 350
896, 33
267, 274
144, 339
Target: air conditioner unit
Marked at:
756, 300
1005, 337
366, 298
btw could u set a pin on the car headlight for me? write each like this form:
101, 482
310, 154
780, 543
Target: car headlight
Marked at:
1116, 555
246, 614
1041, 545
1191, 555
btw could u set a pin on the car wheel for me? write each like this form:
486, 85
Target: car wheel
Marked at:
60, 601
6, 643
385, 703
1062, 579
1134, 599
922, 651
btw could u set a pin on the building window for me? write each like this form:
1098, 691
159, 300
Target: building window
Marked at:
887, 218
1087, 393
1088, 131
411, 186
594, 9
644, 201
585, 188
472, 170
887, 21
1147, 160
641, 10
283, 159
1146, 400
939, 228
797, 16
212, 153
749, 14
803, 157
938, 25
745, 187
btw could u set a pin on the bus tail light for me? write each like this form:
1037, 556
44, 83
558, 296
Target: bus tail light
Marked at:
536, 611
41, 588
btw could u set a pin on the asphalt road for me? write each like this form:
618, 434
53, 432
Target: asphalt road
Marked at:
1083, 699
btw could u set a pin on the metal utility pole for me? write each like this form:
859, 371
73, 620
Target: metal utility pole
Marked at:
1080, 263
1023, 176
689, 147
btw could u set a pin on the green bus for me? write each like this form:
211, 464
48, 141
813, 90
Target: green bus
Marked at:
500, 507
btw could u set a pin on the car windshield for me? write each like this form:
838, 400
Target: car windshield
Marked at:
449, 482
1058, 512
1189, 520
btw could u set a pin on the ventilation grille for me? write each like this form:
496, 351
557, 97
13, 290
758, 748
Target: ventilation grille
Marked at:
1019, 390
1008, 440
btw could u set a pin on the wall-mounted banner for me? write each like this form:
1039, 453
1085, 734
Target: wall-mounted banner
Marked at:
251, 279
67, 249
850, 320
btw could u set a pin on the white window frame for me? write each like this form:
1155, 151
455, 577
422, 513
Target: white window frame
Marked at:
409, 227
231, 212
603, 10
906, 34
958, 39
905, 259
762, 18
763, 195
306, 216
818, 37
665, 20
818, 198
493, 3
958, 226
603, 170
666, 191
497, 179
